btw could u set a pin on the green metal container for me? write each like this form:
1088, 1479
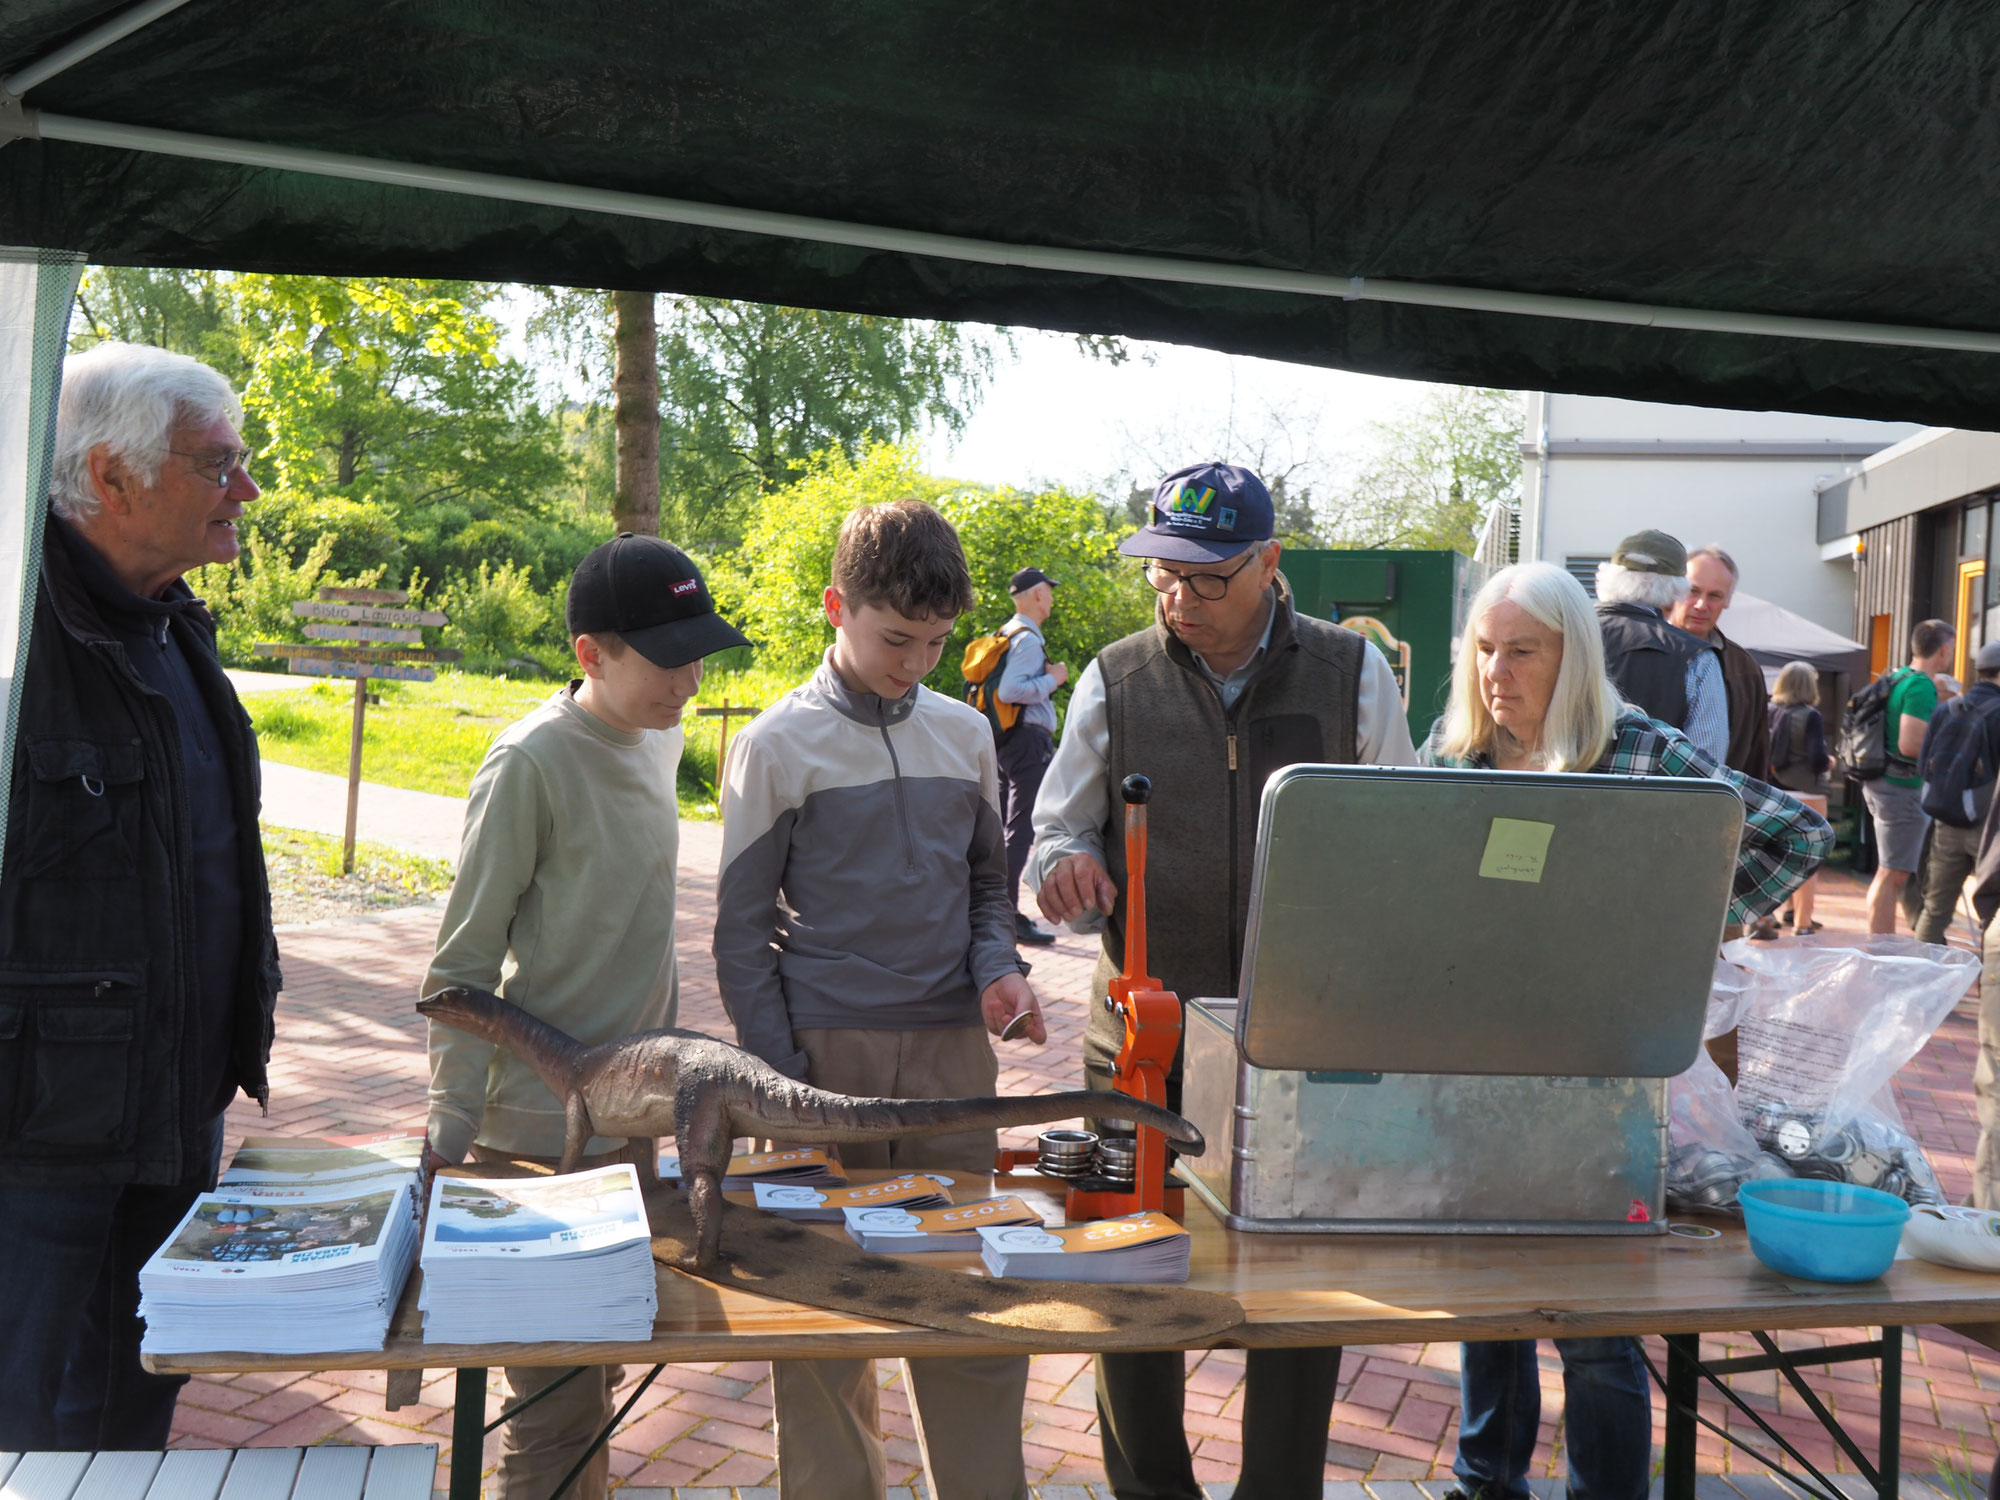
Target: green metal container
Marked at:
1412, 605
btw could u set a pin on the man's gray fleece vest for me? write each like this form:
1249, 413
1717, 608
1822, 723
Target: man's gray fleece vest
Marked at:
1208, 771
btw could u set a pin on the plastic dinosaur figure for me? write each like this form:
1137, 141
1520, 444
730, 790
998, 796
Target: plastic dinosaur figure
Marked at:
705, 1093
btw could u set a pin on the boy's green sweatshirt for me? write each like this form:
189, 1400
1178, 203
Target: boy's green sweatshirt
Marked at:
564, 904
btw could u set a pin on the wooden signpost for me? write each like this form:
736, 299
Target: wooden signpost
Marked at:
373, 639
724, 712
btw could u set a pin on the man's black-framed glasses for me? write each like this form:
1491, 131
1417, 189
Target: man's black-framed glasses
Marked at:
1210, 586
217, 467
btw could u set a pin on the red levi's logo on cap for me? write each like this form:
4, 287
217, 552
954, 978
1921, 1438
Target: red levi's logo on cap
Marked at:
686, 586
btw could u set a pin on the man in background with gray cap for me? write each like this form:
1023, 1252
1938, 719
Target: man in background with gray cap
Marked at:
1658, 668
1028, 680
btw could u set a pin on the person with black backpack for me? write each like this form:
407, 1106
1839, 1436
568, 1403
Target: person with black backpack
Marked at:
1022, 689
1960, 762
1891, 784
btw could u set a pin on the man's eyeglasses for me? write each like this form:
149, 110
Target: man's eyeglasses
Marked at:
1209, 586
217, 468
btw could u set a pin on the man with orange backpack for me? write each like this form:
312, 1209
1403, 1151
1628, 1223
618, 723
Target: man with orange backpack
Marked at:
1013, 686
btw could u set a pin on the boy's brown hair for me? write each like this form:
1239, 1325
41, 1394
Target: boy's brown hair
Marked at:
902, 556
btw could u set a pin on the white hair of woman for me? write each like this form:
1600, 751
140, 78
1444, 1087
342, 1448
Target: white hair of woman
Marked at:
131, 399
1577, 729
1661, 591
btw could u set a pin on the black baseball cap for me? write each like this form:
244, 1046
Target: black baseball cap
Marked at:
652, 594
1026, 579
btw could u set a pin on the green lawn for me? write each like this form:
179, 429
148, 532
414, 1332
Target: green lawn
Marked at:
431, 736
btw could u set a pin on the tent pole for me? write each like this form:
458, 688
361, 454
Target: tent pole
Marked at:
90, 43
37, 123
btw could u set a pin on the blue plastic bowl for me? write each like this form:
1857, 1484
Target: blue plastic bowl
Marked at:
1822, 1231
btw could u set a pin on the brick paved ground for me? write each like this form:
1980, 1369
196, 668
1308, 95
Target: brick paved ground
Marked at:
350, 1058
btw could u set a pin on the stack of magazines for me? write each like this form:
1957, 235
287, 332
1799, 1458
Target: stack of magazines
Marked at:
303, 1249
830, 1204
1145, 1247
529, 1259
806, 1167
899, 1231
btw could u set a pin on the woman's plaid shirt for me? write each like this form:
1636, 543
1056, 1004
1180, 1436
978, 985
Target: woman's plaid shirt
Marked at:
1784, 841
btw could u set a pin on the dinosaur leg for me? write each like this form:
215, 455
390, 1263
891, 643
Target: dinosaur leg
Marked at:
576, 1132
701, 1133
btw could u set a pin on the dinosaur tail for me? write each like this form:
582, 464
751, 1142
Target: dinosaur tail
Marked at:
836, 1118
553, 1055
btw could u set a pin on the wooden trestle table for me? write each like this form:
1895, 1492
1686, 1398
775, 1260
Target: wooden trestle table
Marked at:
1303, 1290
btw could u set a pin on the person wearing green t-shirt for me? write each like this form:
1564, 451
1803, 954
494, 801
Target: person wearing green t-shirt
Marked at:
1894, 801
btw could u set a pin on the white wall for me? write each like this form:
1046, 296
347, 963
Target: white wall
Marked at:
1762, 510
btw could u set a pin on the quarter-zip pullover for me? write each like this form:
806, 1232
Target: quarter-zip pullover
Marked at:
864, 867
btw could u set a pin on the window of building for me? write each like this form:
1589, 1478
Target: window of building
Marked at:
1582, 566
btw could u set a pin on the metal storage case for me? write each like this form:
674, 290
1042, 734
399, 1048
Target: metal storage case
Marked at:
1385, 935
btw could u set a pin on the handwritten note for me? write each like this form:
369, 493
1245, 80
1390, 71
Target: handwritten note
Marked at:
1516, 849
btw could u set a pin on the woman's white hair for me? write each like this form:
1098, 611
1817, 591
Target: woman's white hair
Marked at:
129, 398
1582, 711
1616, 585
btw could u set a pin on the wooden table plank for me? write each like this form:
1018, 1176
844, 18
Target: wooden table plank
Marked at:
45, 1476
261, 1474
1295, 1290
332, 1473
119, 1476
190, 1474
404, 1472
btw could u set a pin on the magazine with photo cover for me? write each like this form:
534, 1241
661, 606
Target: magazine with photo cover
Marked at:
258, 1268
309, 1160
526, 1259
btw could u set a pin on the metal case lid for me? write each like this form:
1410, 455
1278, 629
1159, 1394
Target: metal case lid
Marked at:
1459, 921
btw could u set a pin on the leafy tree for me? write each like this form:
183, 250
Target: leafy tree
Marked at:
770, 586
1434, 473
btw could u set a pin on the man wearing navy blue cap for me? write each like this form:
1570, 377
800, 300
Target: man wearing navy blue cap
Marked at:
1028, 680
1228, 684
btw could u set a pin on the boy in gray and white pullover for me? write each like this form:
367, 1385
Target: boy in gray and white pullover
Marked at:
864, 942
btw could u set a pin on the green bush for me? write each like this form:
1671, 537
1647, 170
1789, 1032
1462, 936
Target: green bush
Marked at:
252, 597
365, 535
496, 615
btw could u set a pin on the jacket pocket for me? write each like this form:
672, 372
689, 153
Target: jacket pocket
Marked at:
85, 810
66, 1043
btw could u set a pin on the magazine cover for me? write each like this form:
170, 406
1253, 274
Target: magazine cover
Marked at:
534, 1216
309, 1162
228, 1235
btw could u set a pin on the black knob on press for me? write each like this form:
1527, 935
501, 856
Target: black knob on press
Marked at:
1136, 790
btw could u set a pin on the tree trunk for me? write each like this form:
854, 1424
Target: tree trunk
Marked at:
636, 389
350, 452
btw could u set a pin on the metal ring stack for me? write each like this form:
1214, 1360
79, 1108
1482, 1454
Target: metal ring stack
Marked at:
1066, 1153
1118, 1157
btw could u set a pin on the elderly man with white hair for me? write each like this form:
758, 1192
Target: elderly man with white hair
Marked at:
1658, 667
141, 971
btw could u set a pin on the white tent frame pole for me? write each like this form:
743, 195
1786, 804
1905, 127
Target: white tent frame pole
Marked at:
89, 44
985, 252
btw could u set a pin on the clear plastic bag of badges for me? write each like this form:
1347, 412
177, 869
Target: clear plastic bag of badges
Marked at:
1822, 1027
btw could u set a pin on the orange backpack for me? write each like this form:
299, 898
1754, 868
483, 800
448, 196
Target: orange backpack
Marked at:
985, 658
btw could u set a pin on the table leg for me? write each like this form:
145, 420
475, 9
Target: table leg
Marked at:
1683, 1391
468, 1434
1889, 1462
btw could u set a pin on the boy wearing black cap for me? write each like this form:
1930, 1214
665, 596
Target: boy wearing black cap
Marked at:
564, 904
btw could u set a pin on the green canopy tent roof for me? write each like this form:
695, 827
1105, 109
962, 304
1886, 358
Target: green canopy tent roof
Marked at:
1629, 200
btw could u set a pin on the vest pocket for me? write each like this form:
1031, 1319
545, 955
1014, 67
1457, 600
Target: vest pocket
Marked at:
66, 1058
84, 814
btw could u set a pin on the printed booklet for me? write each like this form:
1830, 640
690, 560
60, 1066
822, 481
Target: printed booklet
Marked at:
801, 1167
1146, 1247
899, 1231
274, 1268
310, 1162
528, 1259
829, 1204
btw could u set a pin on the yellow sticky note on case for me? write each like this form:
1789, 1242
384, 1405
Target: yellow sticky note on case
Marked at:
1516, 849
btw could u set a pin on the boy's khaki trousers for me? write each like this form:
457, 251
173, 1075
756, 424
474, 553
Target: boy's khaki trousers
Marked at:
967, 1412
544, 1442
1986, 1076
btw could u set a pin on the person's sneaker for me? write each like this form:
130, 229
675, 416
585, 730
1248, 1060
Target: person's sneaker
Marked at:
1026, 931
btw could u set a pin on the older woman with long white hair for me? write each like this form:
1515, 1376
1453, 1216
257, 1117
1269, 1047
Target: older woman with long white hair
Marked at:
1529, 693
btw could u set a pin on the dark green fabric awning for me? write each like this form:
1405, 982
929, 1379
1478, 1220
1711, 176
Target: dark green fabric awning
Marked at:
1818, 161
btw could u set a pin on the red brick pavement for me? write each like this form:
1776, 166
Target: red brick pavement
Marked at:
350, 1058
